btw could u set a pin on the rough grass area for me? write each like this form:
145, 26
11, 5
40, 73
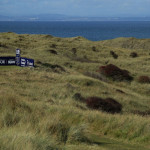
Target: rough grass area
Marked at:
43, 108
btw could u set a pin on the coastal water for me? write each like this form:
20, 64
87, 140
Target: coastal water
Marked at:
94, 31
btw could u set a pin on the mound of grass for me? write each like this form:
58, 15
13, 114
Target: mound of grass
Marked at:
128, 43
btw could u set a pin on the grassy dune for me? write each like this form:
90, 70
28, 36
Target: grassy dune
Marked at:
38, 110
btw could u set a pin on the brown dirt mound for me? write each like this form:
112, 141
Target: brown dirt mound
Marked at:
115, 73
109, 105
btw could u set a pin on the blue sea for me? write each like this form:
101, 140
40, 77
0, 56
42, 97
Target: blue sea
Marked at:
94, 31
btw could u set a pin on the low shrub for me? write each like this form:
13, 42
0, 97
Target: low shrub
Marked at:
53, 46
144, 79
112, 106
133, 54
115, 56
52, 51
74, 51
94, 49
108, 105
38, 62
78, 97
115, 73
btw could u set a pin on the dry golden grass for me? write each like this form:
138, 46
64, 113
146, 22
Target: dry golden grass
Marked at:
37, 108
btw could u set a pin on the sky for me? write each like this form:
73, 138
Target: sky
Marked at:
87, 8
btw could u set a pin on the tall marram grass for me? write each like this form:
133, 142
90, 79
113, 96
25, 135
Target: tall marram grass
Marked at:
35, 126
38, 110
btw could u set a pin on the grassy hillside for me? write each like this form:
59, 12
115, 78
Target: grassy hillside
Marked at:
38, 107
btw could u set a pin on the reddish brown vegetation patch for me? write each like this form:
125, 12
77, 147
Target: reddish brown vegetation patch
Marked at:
144, 79
115, 73
109, 105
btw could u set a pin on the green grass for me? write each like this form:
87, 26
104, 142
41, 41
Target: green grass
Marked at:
37, 107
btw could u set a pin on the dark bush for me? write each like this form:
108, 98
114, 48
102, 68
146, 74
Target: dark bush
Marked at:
108, 105
113, 106
106, 62
39, 62
89, 83
53, 46
112, 52
78, 97
115, 56
133, 55
74, 51
94, 49
52, 51
144, 79
115, 73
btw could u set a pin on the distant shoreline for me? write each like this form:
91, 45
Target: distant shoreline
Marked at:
74, 20
91, 30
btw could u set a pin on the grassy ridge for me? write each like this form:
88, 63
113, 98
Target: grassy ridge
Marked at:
37, 107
